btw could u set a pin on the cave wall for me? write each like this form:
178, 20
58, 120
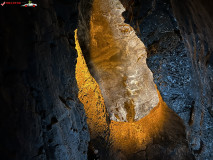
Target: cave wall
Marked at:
167, 55
41, 116
178, 36
195, 19
167, 37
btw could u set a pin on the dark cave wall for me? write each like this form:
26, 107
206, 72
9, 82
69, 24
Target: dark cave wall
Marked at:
195, 19
178, 36
85, 9
41, 116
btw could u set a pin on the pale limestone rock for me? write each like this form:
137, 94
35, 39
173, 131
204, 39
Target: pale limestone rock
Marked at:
118, 60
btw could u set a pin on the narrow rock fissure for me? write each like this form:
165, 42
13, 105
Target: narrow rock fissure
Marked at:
102, 99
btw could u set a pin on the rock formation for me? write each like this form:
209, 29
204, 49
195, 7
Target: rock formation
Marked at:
41, 110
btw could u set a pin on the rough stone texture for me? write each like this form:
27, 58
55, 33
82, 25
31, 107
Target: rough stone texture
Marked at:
118, 60
41, 116
162, 145
162, 130
181, 62
195, 21
167, 56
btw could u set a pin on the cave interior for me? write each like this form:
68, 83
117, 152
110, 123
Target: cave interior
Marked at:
106, 80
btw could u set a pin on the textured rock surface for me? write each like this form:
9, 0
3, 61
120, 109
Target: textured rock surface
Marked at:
167, 56
118, 63
160, 135
195, 21
162, 129
182, 67
41, 117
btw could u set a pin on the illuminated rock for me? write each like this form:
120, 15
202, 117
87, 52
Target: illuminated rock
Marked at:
118, 60
127, 140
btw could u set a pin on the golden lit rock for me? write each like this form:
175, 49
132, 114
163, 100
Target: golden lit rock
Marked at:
125, 138
118, 60
90, 95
